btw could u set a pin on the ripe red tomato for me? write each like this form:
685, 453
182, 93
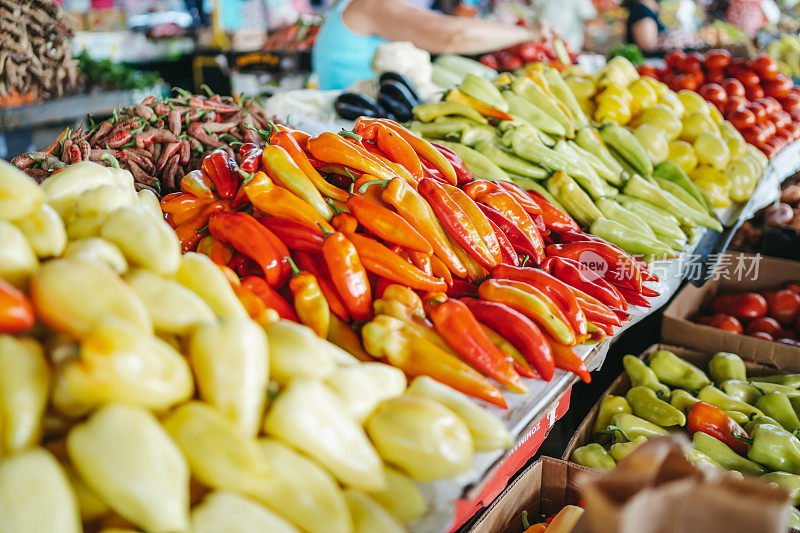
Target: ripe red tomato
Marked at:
529, 52
662, 73
647, 70
784, 135
749, 305
734, 103
753, 134
685, 81
723, 302
765, 324
781, 119
769, 128
726, 323
790, 102
714, 93
793, 128
699, 77
490, 61
766, 67
691, 63
674, 58
733, 87
510, 61
780, 87
742, 118
793, 286
758, 111
715, 75
753, 92
748, 78
776, 143
717, 59
770, 104
761, 335
767, 150
784, 306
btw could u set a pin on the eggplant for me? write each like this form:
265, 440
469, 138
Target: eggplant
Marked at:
350, 106
400, 109
398, 91
399, 78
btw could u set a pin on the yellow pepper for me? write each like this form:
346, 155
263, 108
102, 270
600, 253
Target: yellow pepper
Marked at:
24, 379
341, 334
89, 503
63, 189
149, 201
404, 304
401, 497
17, 260
421, 437
231, 365
742, 177
104, 200
220, 456
144, 240
368, 515
128, 459
83, 227
20, 196
198, 273
173, 307
73, 296
362, 387
320, 509
45, 231
98, 251
117, 363
35, 495
295, 351
309, 416
488, 433
228, 511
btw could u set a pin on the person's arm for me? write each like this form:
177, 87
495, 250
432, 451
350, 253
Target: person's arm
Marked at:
645, 34
395, 20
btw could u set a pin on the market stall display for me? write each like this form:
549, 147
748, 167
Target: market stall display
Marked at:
775, 229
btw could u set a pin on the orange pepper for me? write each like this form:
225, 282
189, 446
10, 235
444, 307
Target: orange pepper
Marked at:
279, 202
16, 311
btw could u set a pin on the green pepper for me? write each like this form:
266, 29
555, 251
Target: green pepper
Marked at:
435, 130
631, 241
665, 226
620, 450
790, 482
725, 365
794, 518
594, 456
727, 458
714, 396
776, 448
789, 380
647, 405
639, 187
530, 185
483, 90
749, 392
668, 170
777, 405
610, 406
759, 421
613, 211
739, 418
675, 372
633, 427
428, 112
573, 198
682, 400
696, 457
642, 375
519, 106
587, 178
509, 162
472, 135
479, 164
679, 193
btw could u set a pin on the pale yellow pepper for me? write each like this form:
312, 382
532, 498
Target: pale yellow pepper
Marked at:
145, 240
17, 259
73, 296
20, 195
362, 387
421, 437
322, 507
45, 231
24, 379
98, 251
311, 417
35, 495
230, 360
401, 496
84, 227
198, 273
117, 363
63, 189
90, 505
172, 307
128, 459
104, 200
295, 351
369, 516
227, 511
149, 201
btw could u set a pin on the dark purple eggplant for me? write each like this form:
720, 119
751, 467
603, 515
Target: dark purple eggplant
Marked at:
350, 106
400, 109
411, 91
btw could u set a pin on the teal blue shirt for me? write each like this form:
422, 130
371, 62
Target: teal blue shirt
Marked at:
342, 56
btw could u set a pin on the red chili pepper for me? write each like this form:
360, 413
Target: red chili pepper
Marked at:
463, 174
462, 289
16, 310
595, 311
565, 359
183, 206
506, 205
431, 171
579, 236
200, 102
558, 291
648, 292
418, 259
252, 239
252, 159
509, 255
458, 326
554, 218
271, 298
616, 267
348, 275
520, 331
633, 297
296, 235
573, 273
197, 184
190, 231
244, 266
315, 264
713, 421
518, 239
221, 169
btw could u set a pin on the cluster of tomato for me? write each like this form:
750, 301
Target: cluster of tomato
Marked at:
769, 315
517, 56
762, 103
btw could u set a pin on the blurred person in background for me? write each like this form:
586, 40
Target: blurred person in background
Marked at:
645, 30
568, 18
353, 29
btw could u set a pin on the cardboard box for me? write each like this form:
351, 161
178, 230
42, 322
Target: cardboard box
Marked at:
543, 488
678, 328
621, 385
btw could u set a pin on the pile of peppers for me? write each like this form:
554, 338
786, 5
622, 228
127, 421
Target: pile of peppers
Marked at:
745, 424
389, 247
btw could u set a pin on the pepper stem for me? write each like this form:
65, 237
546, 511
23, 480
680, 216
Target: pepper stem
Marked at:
105, 156
366, 185
350, 174
325, 232
295, 270
350, 135
526, 525
525, 259
743, 438
611, 430
759, 389
336, 209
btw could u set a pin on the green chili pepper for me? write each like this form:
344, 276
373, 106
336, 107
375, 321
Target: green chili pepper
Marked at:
759, 421
594, 456
668, 170
788, 380
436, 130
629, 240
794, 518
696, 457
776, 448
727, 458
633, 426
725, 365
620, 450
639, 187
675, 372
739, 418
479, 164
483, 90
613, 211
472, 135
777, 405
509, 162
573, 198
714, 396
747, 391
682, 400
790, 482
428, 112
664, 225
642, 375
647, 405
609, 407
